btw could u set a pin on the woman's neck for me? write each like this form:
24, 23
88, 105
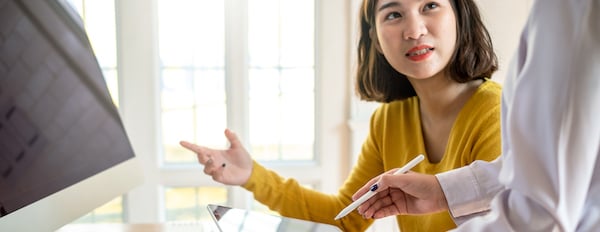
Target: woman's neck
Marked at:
441, 98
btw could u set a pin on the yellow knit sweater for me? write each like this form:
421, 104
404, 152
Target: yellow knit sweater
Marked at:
394, 139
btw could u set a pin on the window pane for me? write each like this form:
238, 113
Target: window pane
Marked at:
281, 33
210, 86
99, 18
297, 33
177, 89
112, 81
263, 32
177, 124
191, 33
210, 124
281, 78
189, 204
282, 114
193, 108
297, 101
192, 54
111, 212
265, 114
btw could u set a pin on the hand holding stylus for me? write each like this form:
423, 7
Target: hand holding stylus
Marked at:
373, 189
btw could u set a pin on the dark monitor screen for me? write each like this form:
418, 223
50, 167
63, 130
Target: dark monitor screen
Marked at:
58, 125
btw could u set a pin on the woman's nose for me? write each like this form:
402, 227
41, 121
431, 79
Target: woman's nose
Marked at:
415, 28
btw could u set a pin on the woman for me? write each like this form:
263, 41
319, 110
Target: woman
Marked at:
428, 63
549, 176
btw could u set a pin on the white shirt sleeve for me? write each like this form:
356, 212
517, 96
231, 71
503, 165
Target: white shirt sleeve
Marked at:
550, 125
470, 189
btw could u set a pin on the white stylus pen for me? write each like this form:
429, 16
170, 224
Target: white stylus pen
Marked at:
372, 192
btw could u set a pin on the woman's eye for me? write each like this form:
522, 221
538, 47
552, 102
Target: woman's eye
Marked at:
393, 15
430, 6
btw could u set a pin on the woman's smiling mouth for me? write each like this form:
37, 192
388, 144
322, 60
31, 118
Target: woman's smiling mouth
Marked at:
419, 53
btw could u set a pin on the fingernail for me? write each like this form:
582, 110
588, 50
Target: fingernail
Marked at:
374, 187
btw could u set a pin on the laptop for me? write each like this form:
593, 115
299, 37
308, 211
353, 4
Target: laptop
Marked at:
229, 219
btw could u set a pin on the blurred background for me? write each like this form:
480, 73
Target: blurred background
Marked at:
277, 72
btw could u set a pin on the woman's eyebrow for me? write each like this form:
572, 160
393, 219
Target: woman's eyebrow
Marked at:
388, 5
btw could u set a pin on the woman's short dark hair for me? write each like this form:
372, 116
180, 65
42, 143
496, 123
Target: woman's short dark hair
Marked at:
473, 58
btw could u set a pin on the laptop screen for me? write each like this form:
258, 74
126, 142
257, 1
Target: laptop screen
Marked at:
232, 219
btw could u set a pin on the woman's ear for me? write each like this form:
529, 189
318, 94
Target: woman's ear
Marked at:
375, 40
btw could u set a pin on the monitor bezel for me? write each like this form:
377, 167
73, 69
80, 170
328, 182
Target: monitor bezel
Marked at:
60, 208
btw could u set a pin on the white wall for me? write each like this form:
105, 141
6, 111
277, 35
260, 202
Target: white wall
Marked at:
504, 20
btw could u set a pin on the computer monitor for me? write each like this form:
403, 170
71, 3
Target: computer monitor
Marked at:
63, 147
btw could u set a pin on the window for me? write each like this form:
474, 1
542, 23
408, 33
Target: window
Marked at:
281, 79
192, 80
196, 64
188, 69
280, 50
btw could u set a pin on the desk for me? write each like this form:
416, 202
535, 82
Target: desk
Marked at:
169, 227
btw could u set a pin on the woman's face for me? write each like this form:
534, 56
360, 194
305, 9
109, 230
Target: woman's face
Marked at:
417, 37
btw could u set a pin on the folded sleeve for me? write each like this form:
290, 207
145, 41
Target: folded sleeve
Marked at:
470, 189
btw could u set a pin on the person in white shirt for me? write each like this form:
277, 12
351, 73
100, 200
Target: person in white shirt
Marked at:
548, 178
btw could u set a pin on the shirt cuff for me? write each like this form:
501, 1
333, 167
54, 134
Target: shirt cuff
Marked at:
462, 192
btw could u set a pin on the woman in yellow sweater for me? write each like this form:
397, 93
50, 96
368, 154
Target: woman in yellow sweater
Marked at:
428, 64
